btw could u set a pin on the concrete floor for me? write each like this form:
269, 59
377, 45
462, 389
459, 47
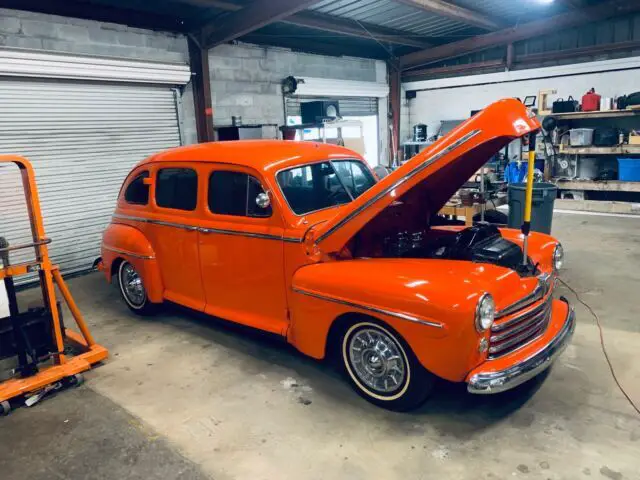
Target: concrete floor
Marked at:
203, 398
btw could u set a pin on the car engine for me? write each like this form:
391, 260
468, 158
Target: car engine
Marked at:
481, 243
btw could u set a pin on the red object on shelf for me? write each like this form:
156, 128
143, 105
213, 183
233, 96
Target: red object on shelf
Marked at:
591, 101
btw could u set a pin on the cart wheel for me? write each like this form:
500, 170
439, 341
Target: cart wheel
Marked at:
76, 380
5, 408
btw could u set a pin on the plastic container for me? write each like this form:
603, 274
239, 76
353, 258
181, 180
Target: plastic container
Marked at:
629, 169
588, 168
580, 137
590, 101
544, 196
515, 173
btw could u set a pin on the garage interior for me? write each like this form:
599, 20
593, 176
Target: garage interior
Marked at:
89, 88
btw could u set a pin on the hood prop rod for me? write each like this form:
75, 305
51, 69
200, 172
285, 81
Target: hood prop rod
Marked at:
526, 224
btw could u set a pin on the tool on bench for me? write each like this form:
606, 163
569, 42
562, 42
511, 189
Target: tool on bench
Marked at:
37, 338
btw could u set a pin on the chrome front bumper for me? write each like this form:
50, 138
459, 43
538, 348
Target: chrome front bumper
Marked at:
499, 381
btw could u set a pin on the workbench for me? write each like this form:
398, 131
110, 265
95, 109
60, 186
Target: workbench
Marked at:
468, 212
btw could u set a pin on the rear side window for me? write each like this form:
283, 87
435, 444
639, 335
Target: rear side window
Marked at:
235, 193
177, 188
137, 193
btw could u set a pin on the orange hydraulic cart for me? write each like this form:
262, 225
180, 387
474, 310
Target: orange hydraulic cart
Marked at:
37, 338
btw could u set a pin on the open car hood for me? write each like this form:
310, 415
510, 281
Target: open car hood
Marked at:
435, 174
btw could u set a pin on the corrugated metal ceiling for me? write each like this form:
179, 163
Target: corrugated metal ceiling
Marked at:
513, 11
388, 13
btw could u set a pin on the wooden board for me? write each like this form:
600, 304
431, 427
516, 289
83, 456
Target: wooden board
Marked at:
617, 150
608, 186
599, 206
596, 114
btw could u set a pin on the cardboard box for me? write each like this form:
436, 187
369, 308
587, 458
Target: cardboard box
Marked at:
634, 138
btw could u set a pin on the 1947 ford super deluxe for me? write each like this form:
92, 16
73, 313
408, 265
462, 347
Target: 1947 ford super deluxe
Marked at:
300, 240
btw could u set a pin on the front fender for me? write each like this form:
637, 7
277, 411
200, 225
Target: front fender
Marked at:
541, 246
431, 303
125, 242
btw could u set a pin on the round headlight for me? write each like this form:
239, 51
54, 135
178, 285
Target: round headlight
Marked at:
558, 257
485, 312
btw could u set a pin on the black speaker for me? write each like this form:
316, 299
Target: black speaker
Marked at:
317, 111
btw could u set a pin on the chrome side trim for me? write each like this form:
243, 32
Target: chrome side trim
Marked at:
120, 216
182, 226
193, 228
402, 316
498, 381
399, 183
124, 252
265, 236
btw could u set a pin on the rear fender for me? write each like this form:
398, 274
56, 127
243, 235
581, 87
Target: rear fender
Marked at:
124, 242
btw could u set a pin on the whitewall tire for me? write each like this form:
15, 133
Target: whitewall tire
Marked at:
132, 289
382, 368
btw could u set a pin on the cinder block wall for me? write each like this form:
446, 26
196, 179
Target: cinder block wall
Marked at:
245, 79
64, 34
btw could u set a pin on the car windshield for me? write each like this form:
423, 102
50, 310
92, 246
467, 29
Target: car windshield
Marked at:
321, 185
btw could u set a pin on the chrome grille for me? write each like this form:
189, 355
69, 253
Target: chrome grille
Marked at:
514, 333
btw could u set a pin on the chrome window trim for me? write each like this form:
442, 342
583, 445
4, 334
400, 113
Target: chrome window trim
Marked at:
326, 160
423, 165
402, 316
193, 228
124, 252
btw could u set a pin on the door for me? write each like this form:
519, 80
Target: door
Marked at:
173, 232
241, 251
83, 139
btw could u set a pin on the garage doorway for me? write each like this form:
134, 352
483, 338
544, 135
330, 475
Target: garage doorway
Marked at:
83, 138
361, 109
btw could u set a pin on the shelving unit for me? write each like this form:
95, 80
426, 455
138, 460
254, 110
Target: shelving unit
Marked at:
599, 186
617, 150
597, 114
606, 156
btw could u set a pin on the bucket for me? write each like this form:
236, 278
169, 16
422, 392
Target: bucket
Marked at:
629, 169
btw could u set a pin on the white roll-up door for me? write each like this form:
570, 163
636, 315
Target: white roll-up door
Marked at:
83, 139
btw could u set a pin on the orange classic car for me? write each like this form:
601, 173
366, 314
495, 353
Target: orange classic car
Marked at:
300, 240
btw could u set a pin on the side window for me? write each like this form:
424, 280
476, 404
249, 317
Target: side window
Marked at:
137, 193
355, 177
235, 193
177, 188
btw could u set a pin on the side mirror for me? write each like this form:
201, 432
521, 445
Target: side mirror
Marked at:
263, 201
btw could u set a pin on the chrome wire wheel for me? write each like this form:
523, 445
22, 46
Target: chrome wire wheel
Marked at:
131, 286
376, 361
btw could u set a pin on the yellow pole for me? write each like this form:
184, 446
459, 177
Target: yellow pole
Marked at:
526, 224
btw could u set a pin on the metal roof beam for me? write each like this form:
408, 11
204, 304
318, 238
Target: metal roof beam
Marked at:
331, 23
353, 29
455, 12
319, 48
252, 17
521, 32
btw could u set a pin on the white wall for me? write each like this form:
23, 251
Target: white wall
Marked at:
454, 98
